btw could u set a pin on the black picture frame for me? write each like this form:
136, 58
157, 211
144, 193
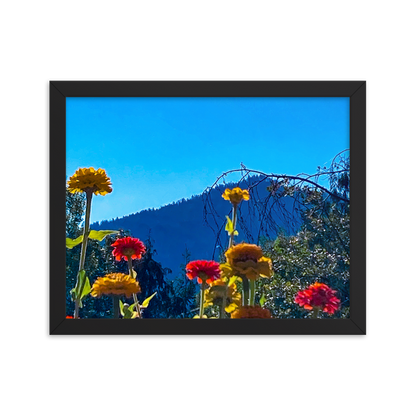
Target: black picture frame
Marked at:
355, 90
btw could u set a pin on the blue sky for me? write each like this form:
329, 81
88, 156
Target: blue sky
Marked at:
159, 150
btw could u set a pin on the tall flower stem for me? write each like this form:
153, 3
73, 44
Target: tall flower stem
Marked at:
252, 291
246, 290
202, 299
222, 311
234, 220
84, 246
135, 300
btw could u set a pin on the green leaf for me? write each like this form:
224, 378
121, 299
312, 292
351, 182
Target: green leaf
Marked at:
134, 273
127, 311
131, 307
145, 303
262, 300
121, 304
82, 287
87, 288
229, 227
99, 235
70, 243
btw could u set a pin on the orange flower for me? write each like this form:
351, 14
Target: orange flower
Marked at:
205, 271
128, 247
318, 295
115, 284
248, 260
69, 317
236, 195
251, 312
90, 180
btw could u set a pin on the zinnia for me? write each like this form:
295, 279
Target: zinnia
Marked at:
251, 312
248, 260
115, 284
215, 294
236, 195
128, 247
318, 295
204, 270
90, 180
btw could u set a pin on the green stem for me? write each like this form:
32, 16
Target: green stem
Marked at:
135, 299
234, 225
84, 246
252, 291
245, 291
315, 313
224, 303
202, 299
116, 307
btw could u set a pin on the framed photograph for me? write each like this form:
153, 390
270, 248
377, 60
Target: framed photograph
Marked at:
207, 207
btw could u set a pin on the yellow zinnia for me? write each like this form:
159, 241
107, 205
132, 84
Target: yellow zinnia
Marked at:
248, 260
215, 294
236, 195
115, 284
90, 180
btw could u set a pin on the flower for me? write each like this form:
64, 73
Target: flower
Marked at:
236, 195
204, 270
251, 312
69, 317
90, 180
247, 259
215, 293
115, 284
318, 295
128, 247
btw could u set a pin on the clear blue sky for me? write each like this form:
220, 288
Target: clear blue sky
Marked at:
159, 150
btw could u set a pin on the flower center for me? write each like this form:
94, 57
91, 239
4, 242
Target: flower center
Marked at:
128, 251
203, 276
246, 257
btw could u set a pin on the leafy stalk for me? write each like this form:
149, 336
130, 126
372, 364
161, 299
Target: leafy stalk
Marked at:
202, 299
83, 249
135, 300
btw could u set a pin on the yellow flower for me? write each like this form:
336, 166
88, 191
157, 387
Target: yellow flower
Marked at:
251, 312
90, 180
115, 284
215, 293
248, 260
236, 195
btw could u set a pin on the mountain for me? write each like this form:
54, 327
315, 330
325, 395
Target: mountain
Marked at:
197, 224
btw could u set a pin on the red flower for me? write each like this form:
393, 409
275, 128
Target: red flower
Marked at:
128, 247
69, 317
319, 296
204, 270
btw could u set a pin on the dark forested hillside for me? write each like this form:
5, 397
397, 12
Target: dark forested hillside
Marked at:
197, 224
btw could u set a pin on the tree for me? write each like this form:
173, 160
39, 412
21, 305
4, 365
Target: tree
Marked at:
183, 293
151, 277
320, 251
286, 199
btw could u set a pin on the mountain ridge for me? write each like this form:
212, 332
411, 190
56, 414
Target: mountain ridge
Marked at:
197, 223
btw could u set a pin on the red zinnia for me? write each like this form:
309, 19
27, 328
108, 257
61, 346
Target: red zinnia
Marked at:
128, 247
204, 270
319, 296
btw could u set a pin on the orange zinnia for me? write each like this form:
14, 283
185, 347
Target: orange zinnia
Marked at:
128, 247
251, 312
